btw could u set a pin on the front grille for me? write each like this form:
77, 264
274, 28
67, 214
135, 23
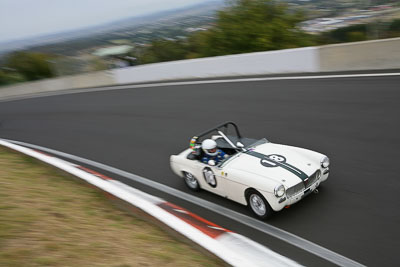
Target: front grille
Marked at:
294, 190
311, 180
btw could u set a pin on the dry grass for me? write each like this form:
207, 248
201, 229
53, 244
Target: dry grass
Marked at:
48, 219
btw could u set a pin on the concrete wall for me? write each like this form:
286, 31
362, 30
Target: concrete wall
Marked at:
282, 61
93, 79
370, 55
379, 54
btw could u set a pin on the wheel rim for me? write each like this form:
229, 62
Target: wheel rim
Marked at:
190, 180
257, 205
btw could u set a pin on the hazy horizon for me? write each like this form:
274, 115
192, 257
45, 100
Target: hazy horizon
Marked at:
26, 23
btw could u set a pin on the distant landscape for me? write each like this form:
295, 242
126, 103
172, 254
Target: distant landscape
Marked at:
175, 24
213, 28
138, 29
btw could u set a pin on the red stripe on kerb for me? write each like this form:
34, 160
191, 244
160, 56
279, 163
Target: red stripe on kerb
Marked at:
208, 228
94, 173
38, 151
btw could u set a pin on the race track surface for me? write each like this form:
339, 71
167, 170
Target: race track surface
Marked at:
355, 121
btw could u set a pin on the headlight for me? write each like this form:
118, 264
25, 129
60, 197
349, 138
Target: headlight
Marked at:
325, 162
279, 191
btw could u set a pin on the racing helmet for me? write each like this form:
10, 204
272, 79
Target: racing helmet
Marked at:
209, 147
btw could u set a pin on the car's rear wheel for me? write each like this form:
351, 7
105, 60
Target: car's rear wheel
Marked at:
258, 205
191, 181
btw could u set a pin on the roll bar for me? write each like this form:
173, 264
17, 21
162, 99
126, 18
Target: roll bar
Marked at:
224, 126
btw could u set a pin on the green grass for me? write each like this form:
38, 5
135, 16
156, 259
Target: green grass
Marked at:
47, 218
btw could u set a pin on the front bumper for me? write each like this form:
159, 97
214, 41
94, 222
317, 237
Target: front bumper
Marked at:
299, 196
296, 197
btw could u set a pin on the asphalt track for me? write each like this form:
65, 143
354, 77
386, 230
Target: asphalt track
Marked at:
352, 120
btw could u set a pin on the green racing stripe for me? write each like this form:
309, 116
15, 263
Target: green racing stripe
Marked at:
266, 161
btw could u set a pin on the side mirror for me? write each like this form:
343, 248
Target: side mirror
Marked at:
239, 145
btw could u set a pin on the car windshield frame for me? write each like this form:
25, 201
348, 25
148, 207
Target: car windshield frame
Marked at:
247, 148
224, 127
233, 141
259, 142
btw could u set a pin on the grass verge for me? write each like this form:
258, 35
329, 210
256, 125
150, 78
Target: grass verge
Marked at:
49, 219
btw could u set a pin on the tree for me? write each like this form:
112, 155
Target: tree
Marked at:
32, 66
3, 78
255, 25
10, 77
394, 28
346, 34
197, 45
245, 26
356, 36
164, 50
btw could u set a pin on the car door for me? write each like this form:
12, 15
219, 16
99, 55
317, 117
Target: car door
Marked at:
210, 178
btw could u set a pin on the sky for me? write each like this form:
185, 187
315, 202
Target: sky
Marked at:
21, 19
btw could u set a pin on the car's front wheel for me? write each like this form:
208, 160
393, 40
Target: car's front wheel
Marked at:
258, 205
191, 181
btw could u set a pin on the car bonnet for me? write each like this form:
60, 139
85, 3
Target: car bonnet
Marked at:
275, 162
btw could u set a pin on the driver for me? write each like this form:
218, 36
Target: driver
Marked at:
212, 155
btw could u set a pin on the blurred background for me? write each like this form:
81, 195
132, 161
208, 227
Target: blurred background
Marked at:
43, 39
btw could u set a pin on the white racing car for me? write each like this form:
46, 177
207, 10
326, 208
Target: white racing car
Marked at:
265, 176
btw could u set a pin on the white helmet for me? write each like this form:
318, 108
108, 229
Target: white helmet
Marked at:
209, 147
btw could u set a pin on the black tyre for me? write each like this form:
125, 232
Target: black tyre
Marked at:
191, 181
258, 205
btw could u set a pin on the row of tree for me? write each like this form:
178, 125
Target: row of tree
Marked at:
361, 32
258, 25
246, 26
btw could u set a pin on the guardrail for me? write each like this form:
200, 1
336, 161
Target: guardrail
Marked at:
369, 55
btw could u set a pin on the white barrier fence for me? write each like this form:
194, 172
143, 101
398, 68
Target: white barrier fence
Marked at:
282, 61
370, 55
94, 79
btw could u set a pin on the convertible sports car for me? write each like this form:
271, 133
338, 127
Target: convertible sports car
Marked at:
265, 176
